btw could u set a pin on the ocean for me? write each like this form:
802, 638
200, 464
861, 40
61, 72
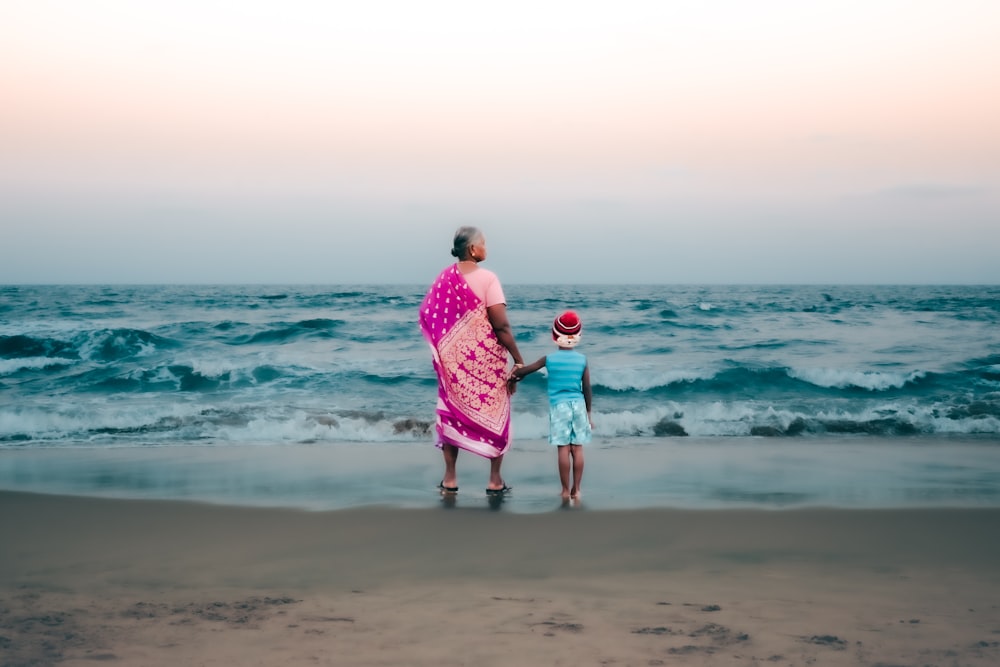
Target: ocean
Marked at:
737, 373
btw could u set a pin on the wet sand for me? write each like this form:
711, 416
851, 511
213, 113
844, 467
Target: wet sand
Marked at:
135, 582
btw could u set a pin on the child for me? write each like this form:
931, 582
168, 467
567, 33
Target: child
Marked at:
569, 399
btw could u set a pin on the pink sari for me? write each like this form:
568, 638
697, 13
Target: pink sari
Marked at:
473, 408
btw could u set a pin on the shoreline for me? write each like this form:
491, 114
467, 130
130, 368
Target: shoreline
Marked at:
621, 474
174, 582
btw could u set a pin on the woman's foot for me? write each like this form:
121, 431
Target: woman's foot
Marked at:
447, 489
499, 491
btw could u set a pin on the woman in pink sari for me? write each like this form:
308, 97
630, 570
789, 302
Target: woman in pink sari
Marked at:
464, 318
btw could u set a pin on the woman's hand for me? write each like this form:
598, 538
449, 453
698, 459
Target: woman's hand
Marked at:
514, 377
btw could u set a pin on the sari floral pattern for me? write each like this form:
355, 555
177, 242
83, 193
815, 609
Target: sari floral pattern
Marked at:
473, 410
476, 365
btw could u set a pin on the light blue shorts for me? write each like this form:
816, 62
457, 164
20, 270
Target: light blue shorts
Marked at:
568, 423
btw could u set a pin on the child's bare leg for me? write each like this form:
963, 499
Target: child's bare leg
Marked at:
577, 453
564, 466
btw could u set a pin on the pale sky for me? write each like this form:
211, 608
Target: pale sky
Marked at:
701, 141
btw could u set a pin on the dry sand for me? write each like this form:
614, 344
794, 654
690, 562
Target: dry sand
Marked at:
85, 581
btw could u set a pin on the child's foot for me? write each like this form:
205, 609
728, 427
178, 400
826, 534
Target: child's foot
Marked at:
575, 494
564, 494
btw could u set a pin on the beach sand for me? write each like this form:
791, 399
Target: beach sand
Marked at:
135, 582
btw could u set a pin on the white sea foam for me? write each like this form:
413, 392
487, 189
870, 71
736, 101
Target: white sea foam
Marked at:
643, 378
966, 426
215, 368
11, 366
194, 422
841, 378
93, 341
161, 374
85, 420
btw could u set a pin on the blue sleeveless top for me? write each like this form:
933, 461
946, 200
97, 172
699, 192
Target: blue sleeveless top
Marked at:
565, 369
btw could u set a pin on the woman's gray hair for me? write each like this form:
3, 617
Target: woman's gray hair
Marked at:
464, 237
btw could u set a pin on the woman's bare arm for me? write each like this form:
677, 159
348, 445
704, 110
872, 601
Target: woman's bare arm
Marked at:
501, 327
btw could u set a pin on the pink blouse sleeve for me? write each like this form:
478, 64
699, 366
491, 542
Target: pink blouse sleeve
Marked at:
494, 292
486, 286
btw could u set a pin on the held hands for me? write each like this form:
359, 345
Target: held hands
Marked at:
514, 378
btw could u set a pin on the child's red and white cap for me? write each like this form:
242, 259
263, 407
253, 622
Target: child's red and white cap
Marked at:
566, 329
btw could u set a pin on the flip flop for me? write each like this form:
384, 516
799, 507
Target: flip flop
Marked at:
501, 491
447, 489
